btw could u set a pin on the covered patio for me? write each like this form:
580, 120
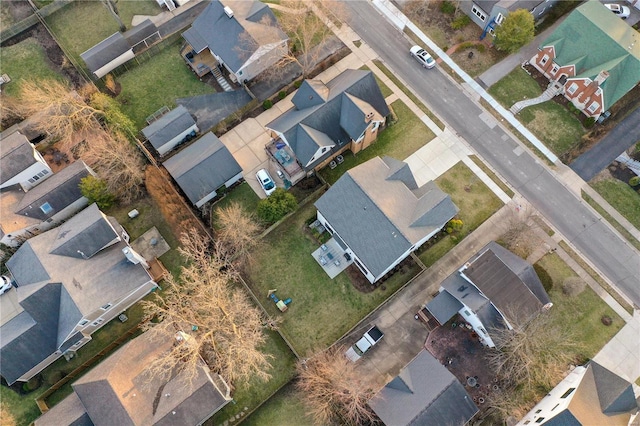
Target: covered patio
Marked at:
201, 63
331, 257
286, 160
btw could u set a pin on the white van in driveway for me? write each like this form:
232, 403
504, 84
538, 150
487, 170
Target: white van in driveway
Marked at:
267, 184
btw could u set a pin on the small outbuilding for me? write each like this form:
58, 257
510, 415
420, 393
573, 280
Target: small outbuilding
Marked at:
203, 168
170, 130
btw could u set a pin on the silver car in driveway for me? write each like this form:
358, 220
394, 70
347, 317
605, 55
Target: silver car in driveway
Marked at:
422, 56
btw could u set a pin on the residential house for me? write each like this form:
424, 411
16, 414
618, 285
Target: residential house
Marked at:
203, 168
327, 119
20, 163
241, 36
120, 390
119, 48
589, 395
425, 393
593, 57
44, 206
378, 215
491, 290
488, 14
69, 282
170, 130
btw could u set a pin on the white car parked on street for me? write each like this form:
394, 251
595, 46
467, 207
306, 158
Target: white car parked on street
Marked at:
422, 56
622, 11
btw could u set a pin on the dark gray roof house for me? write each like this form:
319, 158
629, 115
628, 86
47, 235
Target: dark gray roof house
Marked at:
45, 205
488, 14
489, 289
65, 278
238, 33
379, 214
589, 395
116, 49
168, 131
202, 168
20, 162
120, 391
425, 393
330, 115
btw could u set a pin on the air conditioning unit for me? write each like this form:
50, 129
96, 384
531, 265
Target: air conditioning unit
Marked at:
228, 11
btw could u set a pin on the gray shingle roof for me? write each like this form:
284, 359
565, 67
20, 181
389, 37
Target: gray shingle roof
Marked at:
374, 214
106, 51
202, 167
120, 391
69, 411
141, 31
56, 291
224, 35
615, 394
352, 90
86, 235
424, 394
168, 126
16, 155
444, 306
501, 276
60, 190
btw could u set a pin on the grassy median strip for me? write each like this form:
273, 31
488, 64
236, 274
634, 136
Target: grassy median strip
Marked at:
627, 307
492, 175
621, 229
409, 94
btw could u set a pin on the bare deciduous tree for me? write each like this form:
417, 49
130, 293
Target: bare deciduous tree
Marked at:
117, 161
238, 232
55, 109
535, 353
521, 236
333, 390
213, 318
6, 417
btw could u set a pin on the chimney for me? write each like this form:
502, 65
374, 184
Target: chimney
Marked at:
134, 257
228, 11
601, 77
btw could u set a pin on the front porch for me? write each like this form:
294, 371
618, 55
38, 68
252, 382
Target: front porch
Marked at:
201, 63
331, 257
286, 160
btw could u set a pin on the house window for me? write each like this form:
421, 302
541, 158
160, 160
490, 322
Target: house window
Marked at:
527, 422
556, 406
46, 208
572, 89
32, 180
483, 331
540, 420
83, 322
544, 59
331, 231
360, 265
491, 31
539, 410
105, 307
499, 18
97, 322
467, 313
555, 68
593, 107
567, 393
375, 126
42, 173
476, 11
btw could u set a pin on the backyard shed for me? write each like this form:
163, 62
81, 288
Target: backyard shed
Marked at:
171, 129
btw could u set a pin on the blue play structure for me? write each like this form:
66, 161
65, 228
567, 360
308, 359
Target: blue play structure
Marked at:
281, 304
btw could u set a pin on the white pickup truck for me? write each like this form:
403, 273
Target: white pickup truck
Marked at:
370, 338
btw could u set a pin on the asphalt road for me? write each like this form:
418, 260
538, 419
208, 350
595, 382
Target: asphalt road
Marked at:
609, 253
625, 134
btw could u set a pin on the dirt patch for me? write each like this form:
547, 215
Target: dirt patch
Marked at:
460, 351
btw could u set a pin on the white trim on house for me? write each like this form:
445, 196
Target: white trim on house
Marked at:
105, 69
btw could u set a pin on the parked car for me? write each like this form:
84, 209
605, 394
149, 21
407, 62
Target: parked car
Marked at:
622, 11
266, 182
370, 338
422, 56
5, 284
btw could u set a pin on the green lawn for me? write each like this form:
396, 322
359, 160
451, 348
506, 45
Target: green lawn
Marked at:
399, 140
24, 60
242, 194
322, 309
248, 396
383, 87
581, 313
553, 124
81, 25
286, 408
128, 8
149, 216
621, 197
156, 83
475, 200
